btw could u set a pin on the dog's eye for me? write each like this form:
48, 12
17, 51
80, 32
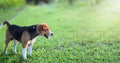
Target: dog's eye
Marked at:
46, 30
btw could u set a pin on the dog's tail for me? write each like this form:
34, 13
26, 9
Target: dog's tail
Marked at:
7, 23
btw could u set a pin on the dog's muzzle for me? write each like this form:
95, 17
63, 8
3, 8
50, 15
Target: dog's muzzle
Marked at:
48, 35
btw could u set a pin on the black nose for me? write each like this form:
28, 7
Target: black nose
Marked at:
51, 34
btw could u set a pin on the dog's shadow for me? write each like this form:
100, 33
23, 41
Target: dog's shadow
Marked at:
12, 57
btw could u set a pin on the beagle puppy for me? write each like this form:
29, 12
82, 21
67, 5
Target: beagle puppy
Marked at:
25, 35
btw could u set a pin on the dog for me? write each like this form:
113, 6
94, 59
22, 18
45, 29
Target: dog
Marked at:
25, 35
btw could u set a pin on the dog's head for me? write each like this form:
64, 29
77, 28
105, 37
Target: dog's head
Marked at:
43, 29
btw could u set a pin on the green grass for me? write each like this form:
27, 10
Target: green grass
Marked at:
10, 12
89, 34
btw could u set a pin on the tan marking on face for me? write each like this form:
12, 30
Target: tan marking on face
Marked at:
42, 29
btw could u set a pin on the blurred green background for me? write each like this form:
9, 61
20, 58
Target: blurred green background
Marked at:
10, 8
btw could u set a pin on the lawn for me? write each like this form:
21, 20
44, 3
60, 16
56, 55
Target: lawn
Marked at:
89, 34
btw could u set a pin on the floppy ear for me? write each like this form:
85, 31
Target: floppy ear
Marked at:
40, 29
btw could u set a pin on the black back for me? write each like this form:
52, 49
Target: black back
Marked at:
17, 31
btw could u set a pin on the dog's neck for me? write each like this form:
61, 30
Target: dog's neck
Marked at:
33, 32
33, 35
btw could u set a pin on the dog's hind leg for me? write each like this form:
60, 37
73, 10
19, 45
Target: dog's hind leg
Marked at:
6, 45
8, 38
15, 45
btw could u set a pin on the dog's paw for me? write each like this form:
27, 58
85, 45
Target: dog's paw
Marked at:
25, 58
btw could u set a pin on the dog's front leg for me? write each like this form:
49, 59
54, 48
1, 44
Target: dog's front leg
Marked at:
29, 49
24, 50
15, 45
30, 46
25, 38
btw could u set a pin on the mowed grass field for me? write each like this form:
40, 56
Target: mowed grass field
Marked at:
89, 34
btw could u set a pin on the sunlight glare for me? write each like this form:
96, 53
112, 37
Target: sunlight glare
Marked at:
118, 1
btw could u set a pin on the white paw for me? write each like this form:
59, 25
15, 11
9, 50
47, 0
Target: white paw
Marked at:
24, 53
25, 58
29, 50
6, 51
